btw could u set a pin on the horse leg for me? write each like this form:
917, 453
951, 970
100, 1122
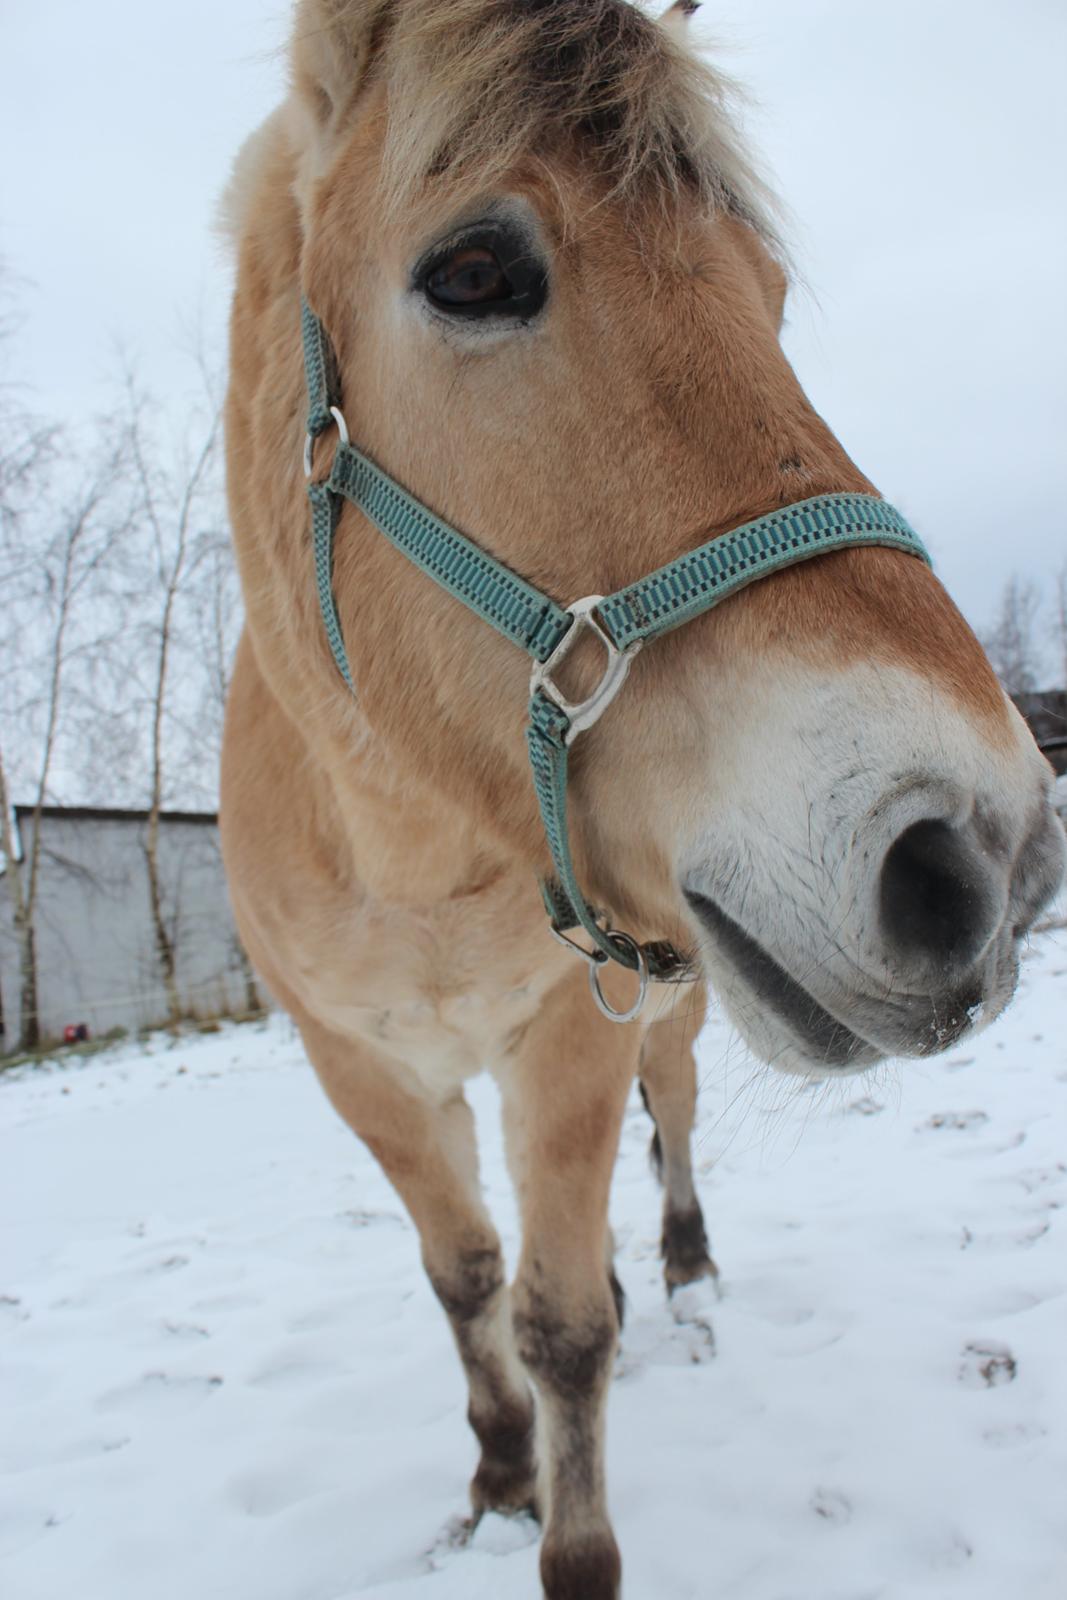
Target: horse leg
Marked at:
565, 1092
429, 1153
668, 1086
516, 1149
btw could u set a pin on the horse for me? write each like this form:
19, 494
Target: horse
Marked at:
514, 257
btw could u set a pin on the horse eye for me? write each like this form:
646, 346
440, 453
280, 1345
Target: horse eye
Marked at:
488, 271
472, 277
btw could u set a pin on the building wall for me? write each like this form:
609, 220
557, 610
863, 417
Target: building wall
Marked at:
95, 944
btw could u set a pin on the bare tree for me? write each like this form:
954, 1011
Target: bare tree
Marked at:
27, 444
113, 674
1059, 625
66, 548
60, 526
213, 614
1012, 643
16, 891
28, 449
172, 497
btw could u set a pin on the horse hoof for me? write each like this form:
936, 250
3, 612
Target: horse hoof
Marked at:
684, 1247
511, 1493
676, 1274
585, 1570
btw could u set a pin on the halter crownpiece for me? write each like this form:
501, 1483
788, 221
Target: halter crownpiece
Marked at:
623, 622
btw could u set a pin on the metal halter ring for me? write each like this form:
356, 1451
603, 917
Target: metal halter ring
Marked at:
583, 713
620, 938
309, 438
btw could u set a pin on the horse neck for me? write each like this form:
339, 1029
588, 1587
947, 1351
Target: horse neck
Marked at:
406, 841
367, 795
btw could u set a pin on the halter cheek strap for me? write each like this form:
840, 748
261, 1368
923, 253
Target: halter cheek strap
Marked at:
622, 622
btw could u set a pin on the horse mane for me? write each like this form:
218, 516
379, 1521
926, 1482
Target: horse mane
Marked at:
475, 87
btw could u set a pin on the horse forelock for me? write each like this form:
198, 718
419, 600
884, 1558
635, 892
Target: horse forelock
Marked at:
476, 88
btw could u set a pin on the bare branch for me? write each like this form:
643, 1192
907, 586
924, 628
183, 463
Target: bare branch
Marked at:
1011, 644
1059, 624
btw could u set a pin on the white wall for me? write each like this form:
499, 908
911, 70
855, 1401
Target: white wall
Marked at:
95, 946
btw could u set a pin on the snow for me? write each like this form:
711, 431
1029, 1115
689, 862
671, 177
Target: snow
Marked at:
226, 1377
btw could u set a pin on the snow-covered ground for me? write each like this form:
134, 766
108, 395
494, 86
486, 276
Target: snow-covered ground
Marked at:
227, 1379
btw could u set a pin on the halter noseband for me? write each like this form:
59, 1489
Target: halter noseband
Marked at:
622, 622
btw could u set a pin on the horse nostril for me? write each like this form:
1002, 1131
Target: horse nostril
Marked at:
936, 896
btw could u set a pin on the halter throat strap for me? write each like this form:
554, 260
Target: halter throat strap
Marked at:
623, 622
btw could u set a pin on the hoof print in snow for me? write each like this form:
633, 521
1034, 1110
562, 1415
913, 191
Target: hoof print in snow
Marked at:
1037, 1178
689, 1308
491, 1532
1013, 1434
685, 1339
186, 1330
501, 1535
987, 1365
832, 1506
367, 1219
865, 1107
958, 1121
158, 1390
168, 1264
456, 1534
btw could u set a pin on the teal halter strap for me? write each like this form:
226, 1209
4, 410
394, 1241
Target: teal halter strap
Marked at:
623, 622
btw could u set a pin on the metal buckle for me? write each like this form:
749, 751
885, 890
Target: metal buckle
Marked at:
618, 937
597, 959
309, 438
593, 957
583, 713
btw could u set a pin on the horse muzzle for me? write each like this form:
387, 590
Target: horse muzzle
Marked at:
921, 949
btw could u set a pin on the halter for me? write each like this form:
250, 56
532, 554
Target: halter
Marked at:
622, 622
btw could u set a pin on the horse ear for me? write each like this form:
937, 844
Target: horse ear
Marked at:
334, 42
675, 18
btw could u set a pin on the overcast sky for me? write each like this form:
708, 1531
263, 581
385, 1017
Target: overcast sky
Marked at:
920, 145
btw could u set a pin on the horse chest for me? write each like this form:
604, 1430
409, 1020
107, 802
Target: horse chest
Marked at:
446, 989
